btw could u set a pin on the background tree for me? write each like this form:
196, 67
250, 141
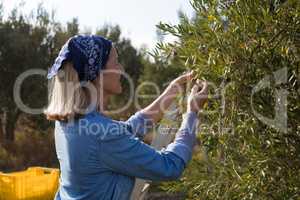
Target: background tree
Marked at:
28, 42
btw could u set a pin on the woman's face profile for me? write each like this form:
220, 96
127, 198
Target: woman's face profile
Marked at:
112, 74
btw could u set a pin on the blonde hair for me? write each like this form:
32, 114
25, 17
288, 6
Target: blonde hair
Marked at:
67, 98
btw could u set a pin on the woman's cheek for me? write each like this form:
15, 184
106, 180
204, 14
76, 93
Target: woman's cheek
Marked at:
118, 87
115, 87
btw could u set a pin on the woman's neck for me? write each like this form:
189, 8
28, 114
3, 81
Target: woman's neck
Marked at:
103, 102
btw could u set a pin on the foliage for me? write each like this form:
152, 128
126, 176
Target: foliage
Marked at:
26, 42
236, 45
159, 73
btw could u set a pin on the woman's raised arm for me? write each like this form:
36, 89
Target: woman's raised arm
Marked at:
156, 109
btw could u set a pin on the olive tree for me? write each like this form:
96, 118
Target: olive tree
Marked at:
250, 130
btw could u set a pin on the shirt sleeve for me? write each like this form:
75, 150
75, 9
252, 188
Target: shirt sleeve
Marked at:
185, 137
127, 155
139, 124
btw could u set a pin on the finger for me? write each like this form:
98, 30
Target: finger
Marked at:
185, 77
195, 88
204, 89
201, 98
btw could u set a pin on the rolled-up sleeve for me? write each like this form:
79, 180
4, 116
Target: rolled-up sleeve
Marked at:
139, 124
130, 156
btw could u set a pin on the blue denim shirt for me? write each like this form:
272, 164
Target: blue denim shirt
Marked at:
100, 157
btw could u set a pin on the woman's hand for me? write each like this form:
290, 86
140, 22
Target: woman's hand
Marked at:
157, 108
176, 85
197, 97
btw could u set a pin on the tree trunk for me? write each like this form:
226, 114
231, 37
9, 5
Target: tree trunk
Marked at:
9, 121
1, 129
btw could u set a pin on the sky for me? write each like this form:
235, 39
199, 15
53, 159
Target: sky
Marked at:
137, 18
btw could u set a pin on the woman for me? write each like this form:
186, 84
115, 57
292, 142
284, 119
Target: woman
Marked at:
100, 157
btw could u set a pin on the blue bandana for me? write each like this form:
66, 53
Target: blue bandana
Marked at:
88, 53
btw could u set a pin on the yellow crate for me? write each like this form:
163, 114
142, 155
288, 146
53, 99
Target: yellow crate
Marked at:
36, 183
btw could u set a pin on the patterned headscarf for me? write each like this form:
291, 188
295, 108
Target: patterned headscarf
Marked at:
88, 53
